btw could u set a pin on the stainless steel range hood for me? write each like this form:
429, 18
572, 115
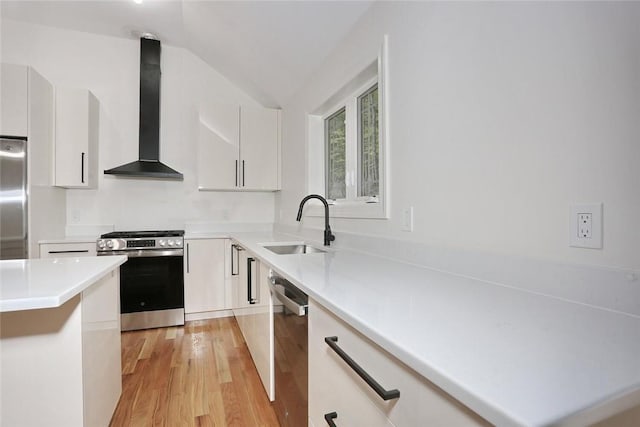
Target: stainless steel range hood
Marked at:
148, 164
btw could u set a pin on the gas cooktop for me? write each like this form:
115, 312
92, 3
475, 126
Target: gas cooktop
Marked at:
142, 234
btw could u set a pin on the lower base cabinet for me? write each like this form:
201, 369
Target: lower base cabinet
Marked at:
335, 387
253, 311
67, 250
204, 276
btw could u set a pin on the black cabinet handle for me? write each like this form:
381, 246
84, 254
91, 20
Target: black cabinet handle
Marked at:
249, 287
243, 173
187, 258
83, 251
233, 249
330, 417
236, 173
82, 168
384, 394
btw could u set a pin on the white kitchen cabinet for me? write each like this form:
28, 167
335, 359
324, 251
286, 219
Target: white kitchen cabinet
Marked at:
14, 100
62, 366
419, 403
67, 250
259, 148
76, 138
239, 148
258, 330
204, 275
253, 311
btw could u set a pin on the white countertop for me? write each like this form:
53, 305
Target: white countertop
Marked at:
513, 356
207, 235
70, 239
47, 283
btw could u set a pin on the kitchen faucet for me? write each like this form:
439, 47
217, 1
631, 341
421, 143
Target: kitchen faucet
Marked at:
328, 237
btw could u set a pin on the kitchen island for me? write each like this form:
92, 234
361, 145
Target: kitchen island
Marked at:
59, 341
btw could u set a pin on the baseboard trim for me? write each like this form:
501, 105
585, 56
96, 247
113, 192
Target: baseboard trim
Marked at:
203, 315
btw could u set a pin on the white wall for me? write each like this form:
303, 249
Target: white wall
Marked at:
109, 67
501, 115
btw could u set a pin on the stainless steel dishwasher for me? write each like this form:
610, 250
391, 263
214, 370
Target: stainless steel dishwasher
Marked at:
290, 352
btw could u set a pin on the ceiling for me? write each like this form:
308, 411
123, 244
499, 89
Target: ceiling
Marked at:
267, 48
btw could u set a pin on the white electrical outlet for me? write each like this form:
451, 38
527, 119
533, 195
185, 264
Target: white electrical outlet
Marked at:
585, 226
407, 219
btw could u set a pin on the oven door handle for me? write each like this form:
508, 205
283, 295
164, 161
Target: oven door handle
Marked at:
147, 253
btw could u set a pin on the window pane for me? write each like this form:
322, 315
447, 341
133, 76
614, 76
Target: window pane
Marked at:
335, 131
368, 161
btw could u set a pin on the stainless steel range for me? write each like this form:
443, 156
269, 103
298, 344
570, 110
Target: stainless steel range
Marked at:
152, 280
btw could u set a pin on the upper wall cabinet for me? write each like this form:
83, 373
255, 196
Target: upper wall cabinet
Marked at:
239, 148
14, 108
76, 138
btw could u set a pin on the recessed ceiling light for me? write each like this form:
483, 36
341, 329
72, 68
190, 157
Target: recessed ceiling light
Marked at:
137, 1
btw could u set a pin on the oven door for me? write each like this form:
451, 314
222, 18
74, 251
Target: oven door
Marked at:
151, 288
152, 280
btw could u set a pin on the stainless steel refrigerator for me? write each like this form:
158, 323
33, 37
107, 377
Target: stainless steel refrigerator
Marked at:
13, 198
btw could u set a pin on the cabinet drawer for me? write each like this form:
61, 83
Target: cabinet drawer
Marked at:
420, 401
64, 250
333, 387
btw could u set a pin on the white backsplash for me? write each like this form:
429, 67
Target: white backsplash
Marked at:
604, 287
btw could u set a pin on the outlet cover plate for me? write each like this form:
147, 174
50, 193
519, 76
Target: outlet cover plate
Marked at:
592, 211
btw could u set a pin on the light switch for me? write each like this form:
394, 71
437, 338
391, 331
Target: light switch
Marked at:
407, 219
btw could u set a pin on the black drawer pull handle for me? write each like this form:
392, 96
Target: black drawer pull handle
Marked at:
384, 394
82, 168
330, 417
250, 298
83, 251
233, 249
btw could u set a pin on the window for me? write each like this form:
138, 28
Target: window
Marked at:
368, 144
335, 137
352, 159
348, 144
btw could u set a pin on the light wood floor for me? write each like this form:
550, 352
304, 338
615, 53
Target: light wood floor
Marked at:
197, 375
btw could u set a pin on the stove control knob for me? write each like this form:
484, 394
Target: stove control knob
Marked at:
163, 242
110, 244
101, 244
170, 242
178, 243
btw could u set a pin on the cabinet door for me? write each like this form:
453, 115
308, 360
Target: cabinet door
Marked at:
204, 281
259, 148
76, 138
13, 100
101, 355
258, 328
218, 165
67, 250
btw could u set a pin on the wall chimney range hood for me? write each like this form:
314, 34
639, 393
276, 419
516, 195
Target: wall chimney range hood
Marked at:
148, 164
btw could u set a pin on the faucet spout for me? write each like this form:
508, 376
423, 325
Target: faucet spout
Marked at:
328, 236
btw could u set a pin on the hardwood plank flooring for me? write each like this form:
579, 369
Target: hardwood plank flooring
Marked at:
200, 374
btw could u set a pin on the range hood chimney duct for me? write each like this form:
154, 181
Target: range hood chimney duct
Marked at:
148, 164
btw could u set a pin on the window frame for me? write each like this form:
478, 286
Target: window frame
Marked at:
353, 206
352, 144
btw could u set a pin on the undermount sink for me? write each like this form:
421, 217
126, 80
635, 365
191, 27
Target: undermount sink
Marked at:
300, 248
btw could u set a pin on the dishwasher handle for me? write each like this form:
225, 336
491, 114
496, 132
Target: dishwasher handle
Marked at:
298, 309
